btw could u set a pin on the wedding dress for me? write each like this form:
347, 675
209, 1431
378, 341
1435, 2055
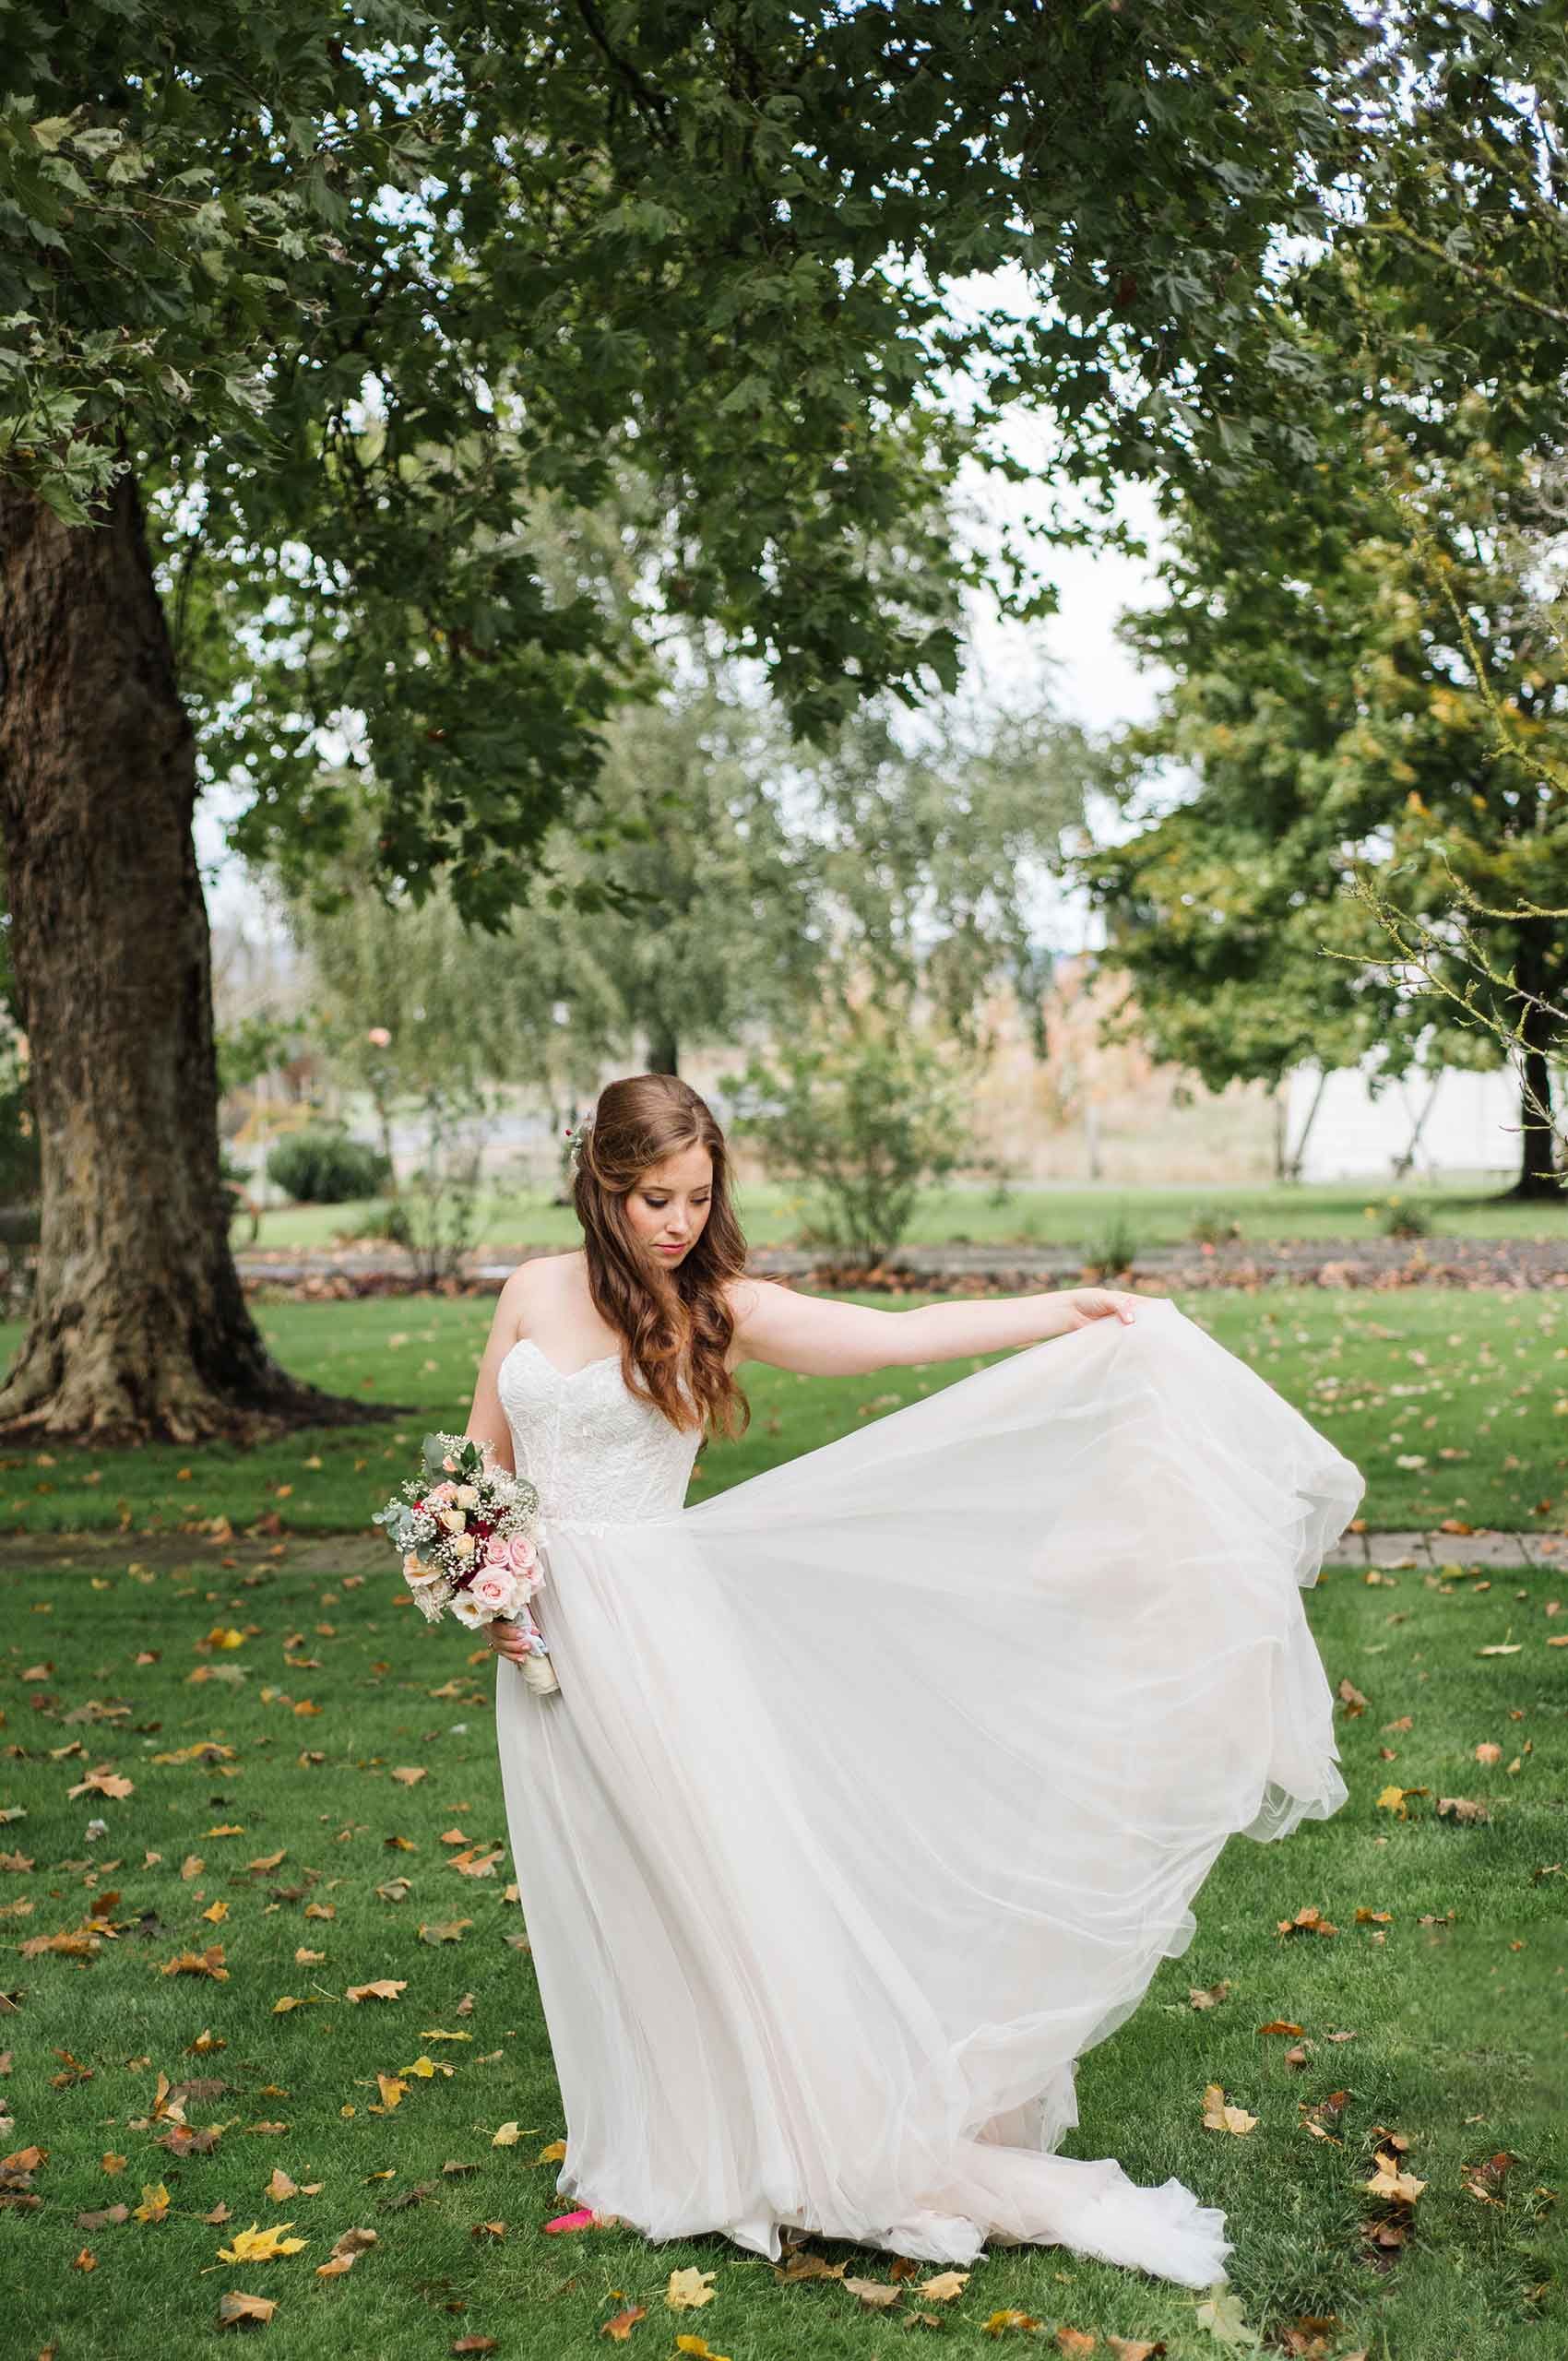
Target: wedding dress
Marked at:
877, 1786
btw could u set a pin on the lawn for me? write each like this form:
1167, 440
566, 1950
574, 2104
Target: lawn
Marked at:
191, 1798
1453, 1402
1074, 1218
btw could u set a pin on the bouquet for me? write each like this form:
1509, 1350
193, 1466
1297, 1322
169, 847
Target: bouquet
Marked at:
469, 1536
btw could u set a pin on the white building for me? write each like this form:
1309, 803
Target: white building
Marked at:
1412, 1126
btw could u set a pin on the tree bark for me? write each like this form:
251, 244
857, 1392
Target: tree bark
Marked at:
663, 1051
139, 1328
1537, 1178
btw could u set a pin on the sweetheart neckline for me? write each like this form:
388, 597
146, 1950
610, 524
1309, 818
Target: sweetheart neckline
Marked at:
566, 1376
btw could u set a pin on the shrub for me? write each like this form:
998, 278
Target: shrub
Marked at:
325, 1167
1214, 1229
867, 1115
1112, 1251
1403, 1219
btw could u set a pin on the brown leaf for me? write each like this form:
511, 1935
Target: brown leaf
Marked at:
620, 2327
233, 2308
1461, 1808
1218, 2116
1309, 1920
874, 2294
805, 2265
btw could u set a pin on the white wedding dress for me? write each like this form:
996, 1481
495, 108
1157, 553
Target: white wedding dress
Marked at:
877, 1786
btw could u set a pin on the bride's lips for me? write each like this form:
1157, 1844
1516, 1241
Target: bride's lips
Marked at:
668, 1250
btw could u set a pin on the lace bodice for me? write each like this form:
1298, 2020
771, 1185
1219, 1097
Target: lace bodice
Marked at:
596, 1454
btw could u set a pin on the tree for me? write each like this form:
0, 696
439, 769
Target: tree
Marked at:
1329, 712
335, 298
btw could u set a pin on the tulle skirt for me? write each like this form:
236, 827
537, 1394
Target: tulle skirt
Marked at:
878, 1785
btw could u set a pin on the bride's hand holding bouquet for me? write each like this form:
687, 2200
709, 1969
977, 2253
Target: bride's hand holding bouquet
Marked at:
470, 1533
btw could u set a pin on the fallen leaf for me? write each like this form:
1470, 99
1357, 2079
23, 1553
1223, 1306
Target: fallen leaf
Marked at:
876, 2295
1223, 2318
256, 2245
234, 2308
687, 2289
1218, 2116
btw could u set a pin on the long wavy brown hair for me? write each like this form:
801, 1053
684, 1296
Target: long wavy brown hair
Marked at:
672, 1324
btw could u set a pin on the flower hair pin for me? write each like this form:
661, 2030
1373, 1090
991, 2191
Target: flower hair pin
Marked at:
576, 1134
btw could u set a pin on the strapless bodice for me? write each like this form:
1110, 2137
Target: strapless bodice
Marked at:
595, 1453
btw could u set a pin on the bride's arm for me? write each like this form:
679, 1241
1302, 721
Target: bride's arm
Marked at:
817, 1337
487, 1421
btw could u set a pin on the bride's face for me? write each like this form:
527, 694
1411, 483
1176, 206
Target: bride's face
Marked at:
669, 1206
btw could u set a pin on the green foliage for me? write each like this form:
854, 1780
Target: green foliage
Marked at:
440, 1199
257, 1044
867, 1113
355, 295
1113, 1249
1401, 1218
1215, 1227
1331, 728
389, 1223
323, 1167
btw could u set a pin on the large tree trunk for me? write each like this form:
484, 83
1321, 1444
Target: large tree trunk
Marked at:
664, 1050
138, 1327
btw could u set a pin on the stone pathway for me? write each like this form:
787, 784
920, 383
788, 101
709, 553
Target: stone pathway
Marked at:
360, 1553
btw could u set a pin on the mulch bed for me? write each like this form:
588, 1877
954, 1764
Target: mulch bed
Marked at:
281, 1275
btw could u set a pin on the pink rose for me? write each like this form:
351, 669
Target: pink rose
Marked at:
493, 1590
522, 1554
497, 1550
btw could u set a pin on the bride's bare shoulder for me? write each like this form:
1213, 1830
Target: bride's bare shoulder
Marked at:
534, 1285
745, 1293
750, 1300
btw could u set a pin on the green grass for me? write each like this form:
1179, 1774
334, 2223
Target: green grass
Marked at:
1031, 1215
287, 1843
1468, 1382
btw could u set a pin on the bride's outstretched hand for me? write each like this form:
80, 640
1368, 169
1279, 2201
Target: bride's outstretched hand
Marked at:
1085, 1304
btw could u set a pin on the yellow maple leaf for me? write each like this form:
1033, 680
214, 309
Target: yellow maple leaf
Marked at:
256, 2245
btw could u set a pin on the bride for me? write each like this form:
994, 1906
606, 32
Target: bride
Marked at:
876, 1788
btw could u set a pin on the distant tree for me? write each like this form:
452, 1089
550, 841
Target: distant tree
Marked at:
1330, 724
